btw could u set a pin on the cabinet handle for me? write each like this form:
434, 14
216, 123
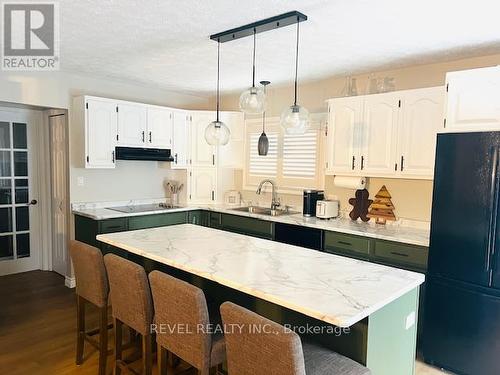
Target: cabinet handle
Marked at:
115, 227
143, 136
353, 159
113, 156
213, 195
402, 163
150, 137
362, 162
213, 159
395, 166
399, 254
175, 158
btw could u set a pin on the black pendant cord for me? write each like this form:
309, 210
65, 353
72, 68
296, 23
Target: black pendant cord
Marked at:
296, 62
253, 71
218, 76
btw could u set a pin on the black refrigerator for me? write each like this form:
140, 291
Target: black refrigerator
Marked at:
462, 301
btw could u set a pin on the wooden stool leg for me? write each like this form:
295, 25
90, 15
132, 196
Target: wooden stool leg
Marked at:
80, 328
147, 355
162, 360
118, 345
103, 340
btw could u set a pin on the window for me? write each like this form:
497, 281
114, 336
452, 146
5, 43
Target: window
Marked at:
293, 161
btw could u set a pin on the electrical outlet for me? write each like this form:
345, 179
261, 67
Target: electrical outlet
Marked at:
80, 181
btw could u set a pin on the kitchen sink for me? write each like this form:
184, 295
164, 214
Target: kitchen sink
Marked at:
264, 211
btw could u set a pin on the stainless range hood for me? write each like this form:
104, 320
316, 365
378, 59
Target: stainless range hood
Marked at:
136, 153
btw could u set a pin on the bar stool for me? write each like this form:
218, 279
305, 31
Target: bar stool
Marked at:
182, 320
91, 288
132, 306
256, 345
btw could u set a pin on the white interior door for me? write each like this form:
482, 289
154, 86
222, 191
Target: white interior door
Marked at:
60, 194
20, 237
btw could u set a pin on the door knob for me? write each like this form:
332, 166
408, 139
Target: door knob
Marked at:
33, 202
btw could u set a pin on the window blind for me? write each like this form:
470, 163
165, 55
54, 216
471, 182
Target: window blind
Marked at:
300, 155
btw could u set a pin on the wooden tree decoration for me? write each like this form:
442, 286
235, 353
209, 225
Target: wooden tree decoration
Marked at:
382, 208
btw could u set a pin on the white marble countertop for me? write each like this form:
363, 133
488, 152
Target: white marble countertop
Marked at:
396, 233
331, 288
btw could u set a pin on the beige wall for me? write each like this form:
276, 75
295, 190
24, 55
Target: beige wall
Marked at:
412, 198
130, 179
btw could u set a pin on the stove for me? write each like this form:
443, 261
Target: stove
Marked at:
144, 208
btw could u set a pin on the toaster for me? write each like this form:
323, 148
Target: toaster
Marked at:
327, 209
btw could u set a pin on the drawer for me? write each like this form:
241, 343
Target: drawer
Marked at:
247, 225
113, 225
157, 220
347, 244
399, 253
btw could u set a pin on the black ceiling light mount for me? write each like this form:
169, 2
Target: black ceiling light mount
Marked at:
268, 24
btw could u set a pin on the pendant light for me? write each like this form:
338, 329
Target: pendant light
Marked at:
217, 133
263, 144
253, 100
295, 119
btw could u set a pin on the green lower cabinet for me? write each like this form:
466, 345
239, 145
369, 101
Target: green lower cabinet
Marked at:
345, 244
198, 217
157, 220
215, 220
247, 225
399, 254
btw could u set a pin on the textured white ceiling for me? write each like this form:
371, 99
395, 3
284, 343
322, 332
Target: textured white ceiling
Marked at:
165, 43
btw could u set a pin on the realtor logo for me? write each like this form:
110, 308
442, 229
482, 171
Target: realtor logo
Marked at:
30, 36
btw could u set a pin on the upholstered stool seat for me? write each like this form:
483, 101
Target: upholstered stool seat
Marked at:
132, 306
91, 288
180, 304
261, 346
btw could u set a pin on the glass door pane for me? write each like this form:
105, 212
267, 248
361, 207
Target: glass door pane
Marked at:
14, 191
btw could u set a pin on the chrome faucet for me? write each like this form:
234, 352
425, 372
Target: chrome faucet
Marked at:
275, 201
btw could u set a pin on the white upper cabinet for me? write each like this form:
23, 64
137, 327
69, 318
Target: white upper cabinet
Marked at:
385, 135
343, 140
202, 154
159, 128
180, 146
232, 155
202, 185
132, 125
421, 118
380, 122
473, 100
100, 133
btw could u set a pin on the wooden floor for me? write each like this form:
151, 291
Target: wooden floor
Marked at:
38, 328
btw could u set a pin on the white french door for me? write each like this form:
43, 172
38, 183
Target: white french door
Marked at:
20, 242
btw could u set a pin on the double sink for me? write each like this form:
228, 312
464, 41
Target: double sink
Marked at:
264, 211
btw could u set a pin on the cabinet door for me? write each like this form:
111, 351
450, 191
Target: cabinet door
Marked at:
160, 123
202, 154
473, 100
379, 134
132, 121
180, 145
421, 117
232, 155
100, 134
202, 185
343, 135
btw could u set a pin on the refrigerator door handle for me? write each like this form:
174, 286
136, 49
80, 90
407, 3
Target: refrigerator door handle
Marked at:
493, 210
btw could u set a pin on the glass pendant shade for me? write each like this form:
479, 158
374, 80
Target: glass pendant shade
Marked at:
295, 119
263, 144
217, 133
253, 101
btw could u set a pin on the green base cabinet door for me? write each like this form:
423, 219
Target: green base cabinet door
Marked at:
157, 220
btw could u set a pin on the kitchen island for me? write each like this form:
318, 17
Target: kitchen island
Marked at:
379, 303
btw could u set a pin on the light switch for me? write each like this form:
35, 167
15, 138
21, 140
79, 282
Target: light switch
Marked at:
410, 320
80, 181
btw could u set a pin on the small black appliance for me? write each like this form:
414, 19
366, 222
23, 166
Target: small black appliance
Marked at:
310, 199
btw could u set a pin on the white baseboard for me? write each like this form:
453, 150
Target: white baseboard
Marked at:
69, 282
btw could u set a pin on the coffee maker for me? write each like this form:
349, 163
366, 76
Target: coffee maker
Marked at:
310, 199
